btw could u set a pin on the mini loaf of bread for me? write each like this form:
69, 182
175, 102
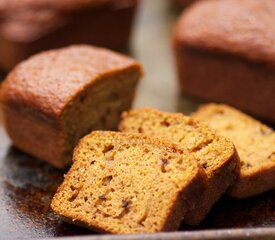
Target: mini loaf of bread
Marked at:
214, 153
128, 183
225, 52
255, 143
52, 99
30, 26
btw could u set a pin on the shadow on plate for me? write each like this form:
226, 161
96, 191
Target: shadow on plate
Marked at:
258, 211
27, 186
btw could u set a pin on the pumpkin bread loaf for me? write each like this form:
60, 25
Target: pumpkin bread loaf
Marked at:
214, 153
30, 26
225, 52
255, 143
128, 183
52, 99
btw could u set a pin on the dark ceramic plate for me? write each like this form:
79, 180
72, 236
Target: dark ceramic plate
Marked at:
27, 185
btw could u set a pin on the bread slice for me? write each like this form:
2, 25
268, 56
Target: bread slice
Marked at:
128, 183
255, 143
214, 153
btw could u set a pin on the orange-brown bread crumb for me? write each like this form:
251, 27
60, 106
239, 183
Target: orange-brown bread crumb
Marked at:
214, 153
255, 143
128, 183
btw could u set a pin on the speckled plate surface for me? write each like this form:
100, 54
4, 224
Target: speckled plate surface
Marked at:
27, 184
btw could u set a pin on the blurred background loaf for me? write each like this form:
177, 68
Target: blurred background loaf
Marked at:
225, 52
182, 3
28, 27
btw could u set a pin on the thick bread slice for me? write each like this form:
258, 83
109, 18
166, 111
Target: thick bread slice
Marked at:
214, 153
255, 143
128, 183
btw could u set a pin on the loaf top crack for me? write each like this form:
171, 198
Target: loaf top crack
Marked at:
48, 82
128, 183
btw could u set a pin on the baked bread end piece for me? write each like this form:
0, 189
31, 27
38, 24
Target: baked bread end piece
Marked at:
255, 143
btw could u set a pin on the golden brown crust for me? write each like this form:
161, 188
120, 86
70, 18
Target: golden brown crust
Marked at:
42, 78
35, 137
170, 215
255, 143
227, 47
243, 81
215, 153
56, 97
230, 26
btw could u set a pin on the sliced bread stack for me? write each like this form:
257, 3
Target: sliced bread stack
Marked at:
128, 183
215, 154
165, 168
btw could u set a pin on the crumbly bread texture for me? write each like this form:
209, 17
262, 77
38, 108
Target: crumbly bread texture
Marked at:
255, 143
128, 183
228, 48
214, 153
54, 98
